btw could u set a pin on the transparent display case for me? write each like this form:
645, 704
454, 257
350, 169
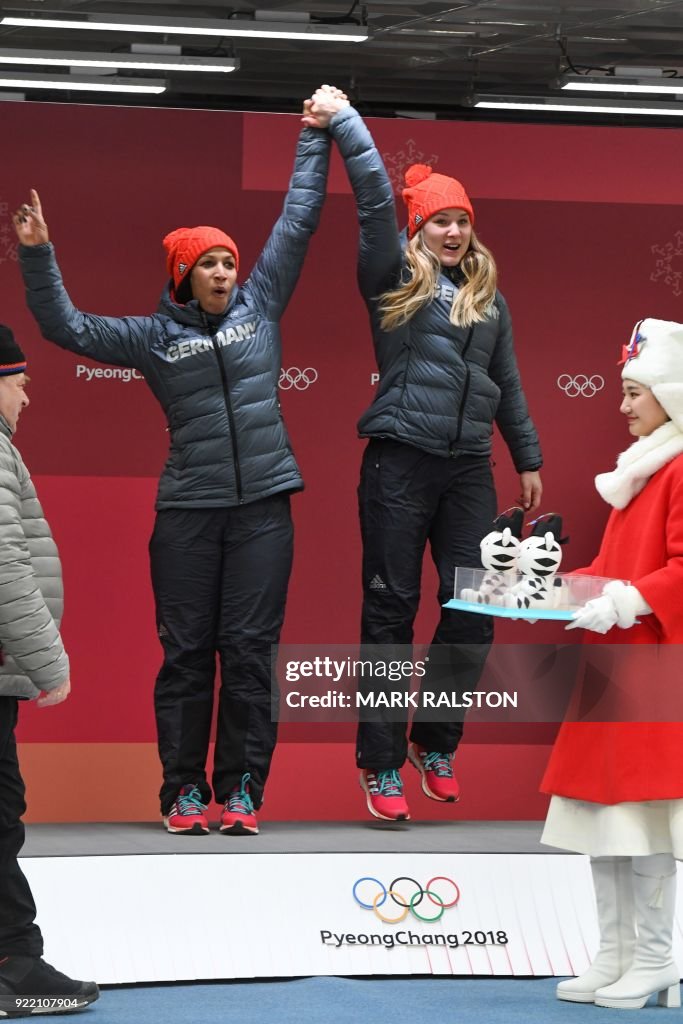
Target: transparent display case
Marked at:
512, 595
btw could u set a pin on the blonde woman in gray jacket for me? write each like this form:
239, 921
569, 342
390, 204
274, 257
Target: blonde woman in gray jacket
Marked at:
33, 663
442, 335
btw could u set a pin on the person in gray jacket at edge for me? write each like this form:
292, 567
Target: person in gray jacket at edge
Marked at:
221, 550
33, 663
443, 344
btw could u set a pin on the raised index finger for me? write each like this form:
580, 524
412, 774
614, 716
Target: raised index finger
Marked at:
35, 202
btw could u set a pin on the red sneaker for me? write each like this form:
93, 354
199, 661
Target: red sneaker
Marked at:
187, 815
238, 818
384, 792
438, 780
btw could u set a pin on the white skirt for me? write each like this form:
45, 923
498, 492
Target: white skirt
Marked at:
615, 830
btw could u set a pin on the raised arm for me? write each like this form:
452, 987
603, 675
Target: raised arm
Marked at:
107, 339
379, 253
277, 269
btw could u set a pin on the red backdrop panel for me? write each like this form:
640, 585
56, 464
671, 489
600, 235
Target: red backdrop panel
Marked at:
588, 233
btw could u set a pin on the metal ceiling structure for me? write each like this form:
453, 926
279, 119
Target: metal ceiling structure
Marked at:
421, 58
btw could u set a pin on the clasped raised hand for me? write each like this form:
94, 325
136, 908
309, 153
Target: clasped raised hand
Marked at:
325, 102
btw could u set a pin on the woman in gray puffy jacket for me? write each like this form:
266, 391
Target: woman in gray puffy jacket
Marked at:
443, 343
221, 551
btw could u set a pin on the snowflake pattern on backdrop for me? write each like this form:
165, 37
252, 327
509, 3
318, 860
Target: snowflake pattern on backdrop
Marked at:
8, 241
669, 263
398, 163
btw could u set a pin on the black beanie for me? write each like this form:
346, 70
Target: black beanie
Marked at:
12, 359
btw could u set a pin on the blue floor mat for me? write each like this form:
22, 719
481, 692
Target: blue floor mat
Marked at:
353, 1001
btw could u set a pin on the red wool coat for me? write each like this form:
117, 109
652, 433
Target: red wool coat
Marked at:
615, 761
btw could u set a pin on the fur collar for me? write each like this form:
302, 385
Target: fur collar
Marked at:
638, 463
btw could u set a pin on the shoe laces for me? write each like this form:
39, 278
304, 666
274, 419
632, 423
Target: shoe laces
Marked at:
189, 801
389, 782
239, 801
440, 764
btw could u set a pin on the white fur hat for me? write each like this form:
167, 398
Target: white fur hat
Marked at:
654, 357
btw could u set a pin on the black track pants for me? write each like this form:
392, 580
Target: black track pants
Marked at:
408, 498
19, 934
220, 580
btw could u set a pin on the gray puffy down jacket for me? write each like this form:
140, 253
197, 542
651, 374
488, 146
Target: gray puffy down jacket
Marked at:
217, 384
441, 387
30, 584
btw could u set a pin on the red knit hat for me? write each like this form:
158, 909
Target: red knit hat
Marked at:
427, 193
184, 246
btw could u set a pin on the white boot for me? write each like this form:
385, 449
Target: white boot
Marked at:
612, 881
653, 968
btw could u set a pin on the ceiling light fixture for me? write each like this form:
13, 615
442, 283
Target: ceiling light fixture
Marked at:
127, 61
646, 84
81, 83
597, 39
558, 105
233, 28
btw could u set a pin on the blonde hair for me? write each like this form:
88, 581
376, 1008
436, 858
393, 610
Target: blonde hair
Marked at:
471, 302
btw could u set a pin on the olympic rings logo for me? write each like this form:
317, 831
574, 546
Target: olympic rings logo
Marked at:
582, 385
296, 378
407, 903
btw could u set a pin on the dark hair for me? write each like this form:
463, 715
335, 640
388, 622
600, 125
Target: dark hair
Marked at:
183, 292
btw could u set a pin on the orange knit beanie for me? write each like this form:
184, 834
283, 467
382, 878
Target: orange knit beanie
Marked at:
427, 193
184, 246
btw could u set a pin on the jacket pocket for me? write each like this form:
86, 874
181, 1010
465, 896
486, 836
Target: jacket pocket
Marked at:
489, 393
369, 486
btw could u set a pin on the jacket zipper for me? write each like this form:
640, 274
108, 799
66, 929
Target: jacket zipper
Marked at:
228, 406
466, 385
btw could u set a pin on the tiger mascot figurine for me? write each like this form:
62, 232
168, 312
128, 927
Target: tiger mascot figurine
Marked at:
499, 553
538, 561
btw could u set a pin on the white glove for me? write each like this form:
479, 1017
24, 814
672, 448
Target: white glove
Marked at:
619, 605
628, 601
600, 615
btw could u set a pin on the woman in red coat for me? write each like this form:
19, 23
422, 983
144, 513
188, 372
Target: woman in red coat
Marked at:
617, 784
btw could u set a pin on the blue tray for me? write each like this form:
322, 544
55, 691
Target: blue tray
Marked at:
561, 615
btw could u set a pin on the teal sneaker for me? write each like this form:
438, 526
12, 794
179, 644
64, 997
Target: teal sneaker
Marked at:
187, 816
384, 793
238, 818
438, 780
